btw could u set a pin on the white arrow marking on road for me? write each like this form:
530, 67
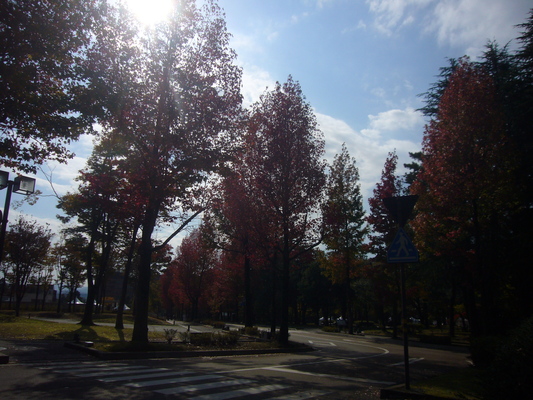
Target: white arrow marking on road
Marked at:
331, 344
411, 361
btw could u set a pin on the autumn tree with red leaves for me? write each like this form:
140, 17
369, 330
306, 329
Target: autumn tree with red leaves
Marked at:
284, 150
344, 226
383, 225
172, 108
383, 228
465, 185
234, 227
192, 273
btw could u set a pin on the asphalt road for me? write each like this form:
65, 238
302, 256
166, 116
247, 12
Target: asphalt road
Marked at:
342, 367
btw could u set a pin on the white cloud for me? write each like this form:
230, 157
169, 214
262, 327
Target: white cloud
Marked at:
245, 43
472, 22
318, 3
370, 151
396, 119
391, 15
254, 83
467, 24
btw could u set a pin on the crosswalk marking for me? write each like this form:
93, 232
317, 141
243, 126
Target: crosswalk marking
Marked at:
174, 380
301, 396
148, 374
118, 371
189, 383
204, 386
240, 392
89, 368
97, 369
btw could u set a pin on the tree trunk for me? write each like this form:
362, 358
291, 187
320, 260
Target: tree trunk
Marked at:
119, 323
59, 296
274, 308
142, 295
249, 306
285, 285
89, 304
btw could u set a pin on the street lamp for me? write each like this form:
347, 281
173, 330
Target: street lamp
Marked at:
21, 185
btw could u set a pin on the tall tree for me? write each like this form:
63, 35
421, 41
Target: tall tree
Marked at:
173, 112
193, 271
100, 208
69, 254
284, 159
382, 230
42, 80
383, 227
27, 244
344, 222
234, 226
466, 184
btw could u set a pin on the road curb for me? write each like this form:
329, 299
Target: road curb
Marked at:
4, 359
105, 355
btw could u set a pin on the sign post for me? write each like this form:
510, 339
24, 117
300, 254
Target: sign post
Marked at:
402, 251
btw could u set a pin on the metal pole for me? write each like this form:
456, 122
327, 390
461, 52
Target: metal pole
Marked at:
4, 219
404, 327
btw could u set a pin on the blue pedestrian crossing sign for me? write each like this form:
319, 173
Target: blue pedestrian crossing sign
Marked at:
402, 249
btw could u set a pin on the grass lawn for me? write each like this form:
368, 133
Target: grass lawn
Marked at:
24, 328
462, 384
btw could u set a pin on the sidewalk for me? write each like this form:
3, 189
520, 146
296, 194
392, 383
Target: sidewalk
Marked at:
29, 351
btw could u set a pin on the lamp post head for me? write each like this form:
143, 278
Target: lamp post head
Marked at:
4, 177
24, 185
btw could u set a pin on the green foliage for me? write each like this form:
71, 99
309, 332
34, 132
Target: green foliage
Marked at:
42, 79
483, 349
211, 339
464, 384
251, 331
22, 328
217, 324
170, 334
511, 371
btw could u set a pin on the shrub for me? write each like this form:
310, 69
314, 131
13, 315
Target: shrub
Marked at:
250, 331
510, 374
483, 349
435, 339
209, 339
170, 334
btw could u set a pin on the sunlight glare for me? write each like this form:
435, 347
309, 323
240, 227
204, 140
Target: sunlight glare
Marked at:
150, 12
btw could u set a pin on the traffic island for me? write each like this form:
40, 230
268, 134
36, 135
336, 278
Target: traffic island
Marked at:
181, 353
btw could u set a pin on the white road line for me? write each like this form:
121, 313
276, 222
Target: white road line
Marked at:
411, 361
320, 343
74, 367
122, 371
204, 386
148, 374
339, 377
240, 392
301, 396
97, 370
168, 381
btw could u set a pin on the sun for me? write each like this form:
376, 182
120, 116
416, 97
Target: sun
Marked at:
150, 12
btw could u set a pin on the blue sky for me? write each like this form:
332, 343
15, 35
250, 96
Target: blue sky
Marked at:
361, 65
